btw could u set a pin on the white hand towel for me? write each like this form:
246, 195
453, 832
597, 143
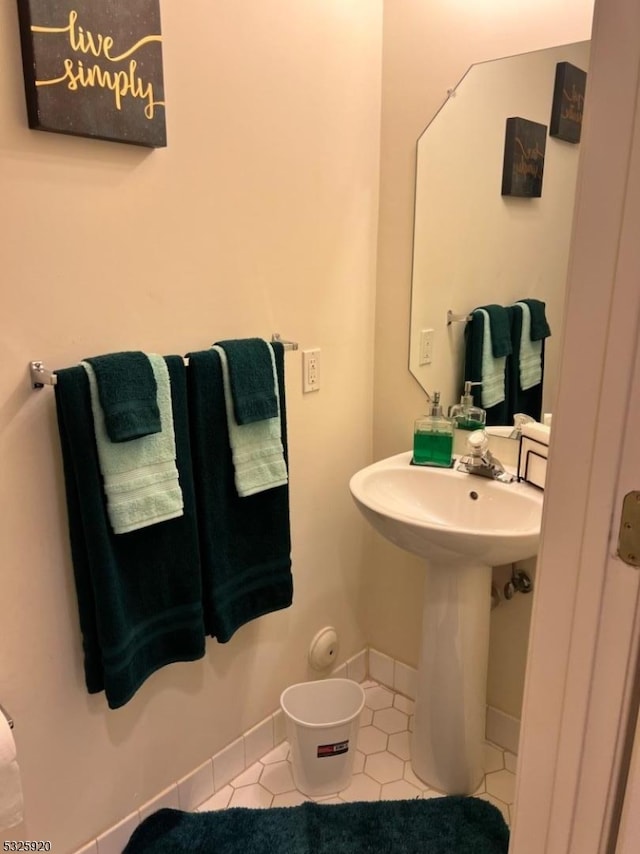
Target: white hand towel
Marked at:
140, 477
530, 353
493, 370
11, 805
256, 448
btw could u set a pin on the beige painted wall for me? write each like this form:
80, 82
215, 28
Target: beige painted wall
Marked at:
260, 216
428, 45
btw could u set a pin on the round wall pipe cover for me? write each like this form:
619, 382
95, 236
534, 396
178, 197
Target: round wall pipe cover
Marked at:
323, 650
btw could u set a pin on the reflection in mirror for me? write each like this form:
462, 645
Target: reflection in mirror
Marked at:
473, 246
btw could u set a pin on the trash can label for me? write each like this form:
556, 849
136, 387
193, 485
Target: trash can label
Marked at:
336, 749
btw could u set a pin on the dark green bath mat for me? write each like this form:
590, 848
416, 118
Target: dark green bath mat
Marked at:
451, 825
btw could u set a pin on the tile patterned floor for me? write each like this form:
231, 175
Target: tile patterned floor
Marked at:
382, 770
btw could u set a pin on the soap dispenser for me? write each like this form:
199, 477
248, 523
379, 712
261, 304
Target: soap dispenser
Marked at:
433, 437
466, 415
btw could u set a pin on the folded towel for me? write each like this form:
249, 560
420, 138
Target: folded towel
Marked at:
139, 595
245, 543
500, 332
539, 326
140, 476
493, 369
530, 353
256, 448
527, 401
128, 392
250, 366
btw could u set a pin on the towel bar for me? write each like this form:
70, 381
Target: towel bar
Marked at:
288, 345
40, 376
4, 712
457, 318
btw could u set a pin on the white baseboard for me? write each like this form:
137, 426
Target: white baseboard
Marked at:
502, 729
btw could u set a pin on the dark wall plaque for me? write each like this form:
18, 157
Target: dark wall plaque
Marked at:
94, 68
523, 165
568, 102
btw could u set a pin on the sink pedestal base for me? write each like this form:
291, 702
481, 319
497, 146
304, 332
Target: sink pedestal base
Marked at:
449, 723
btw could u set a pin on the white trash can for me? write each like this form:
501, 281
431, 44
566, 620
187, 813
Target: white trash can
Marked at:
322, 720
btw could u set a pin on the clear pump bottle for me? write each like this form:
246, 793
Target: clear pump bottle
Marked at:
433, 437
466, 415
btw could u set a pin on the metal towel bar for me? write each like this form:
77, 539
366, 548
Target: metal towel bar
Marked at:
40, 376
457, 318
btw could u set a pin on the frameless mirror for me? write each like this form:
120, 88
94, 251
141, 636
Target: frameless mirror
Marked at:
473, 246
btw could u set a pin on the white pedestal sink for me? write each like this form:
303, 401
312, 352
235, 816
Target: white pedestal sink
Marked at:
462, 526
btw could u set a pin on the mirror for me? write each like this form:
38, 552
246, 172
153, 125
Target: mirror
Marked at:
473, 246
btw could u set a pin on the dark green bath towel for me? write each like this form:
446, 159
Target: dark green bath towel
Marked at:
245, 543
452, 825
139, 594
500, 332
474, 342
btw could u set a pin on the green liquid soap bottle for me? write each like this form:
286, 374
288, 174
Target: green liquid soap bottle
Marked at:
433, 437
466, 415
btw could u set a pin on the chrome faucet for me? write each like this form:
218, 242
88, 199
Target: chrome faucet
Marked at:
480, 461
518, 420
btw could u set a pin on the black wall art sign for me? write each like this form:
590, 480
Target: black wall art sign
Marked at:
94, 68
568, 102
523, 165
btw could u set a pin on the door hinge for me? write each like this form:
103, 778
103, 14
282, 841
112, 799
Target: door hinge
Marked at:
629, 534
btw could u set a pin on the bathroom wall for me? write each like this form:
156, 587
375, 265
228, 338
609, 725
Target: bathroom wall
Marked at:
260, 216
428, 45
